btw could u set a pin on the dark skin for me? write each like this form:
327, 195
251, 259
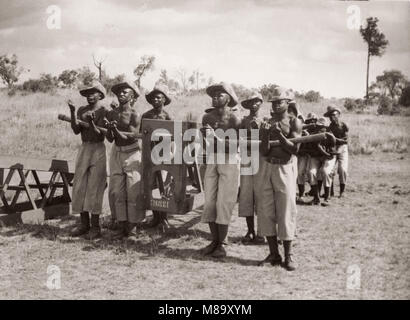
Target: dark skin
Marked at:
125, 98
220, 118
281, 115
93, 99
335, 119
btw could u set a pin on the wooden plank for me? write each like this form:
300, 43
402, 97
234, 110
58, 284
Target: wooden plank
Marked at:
25, 206
27, 188
35, 216
48, 191
18, 191
37, 164
39, 185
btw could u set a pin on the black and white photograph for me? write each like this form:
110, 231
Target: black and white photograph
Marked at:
213, 152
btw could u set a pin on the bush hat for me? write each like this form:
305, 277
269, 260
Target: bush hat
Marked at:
247, 104
126, 84
321, 122
94, 87
158, 89
224, 87
311, 116
282, 94
330, 110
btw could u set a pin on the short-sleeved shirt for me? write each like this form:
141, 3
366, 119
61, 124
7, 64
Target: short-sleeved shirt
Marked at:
125, 119
339, 131
87, 134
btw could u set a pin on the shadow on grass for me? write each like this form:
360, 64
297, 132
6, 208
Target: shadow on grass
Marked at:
150, 242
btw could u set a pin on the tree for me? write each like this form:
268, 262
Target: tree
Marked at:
85, 76
9, 71
183, 78
46, 83
163, 77
68, 78
393, 82
196, 78
98, 64
405, 96
146, 64
312, 96
268, 91
376, 44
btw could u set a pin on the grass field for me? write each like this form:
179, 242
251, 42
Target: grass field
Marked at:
368, 229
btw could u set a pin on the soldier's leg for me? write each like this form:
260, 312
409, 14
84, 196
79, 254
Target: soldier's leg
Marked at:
343, 159
313, 172
286, 211
209, 213
79, 190
326, 172
228, 182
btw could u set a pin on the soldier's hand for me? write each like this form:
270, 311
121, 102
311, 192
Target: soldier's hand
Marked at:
114, 105
276, 128
265, 125
71, 105
90, 116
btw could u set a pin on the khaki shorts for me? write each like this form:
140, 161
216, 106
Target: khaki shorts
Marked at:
277, 210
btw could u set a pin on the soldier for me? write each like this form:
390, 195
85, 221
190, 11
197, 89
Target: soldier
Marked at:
303, 157
277, 215
158, 98
248, 183
340, 130
318, 153
90, 175
221, 180
125, 193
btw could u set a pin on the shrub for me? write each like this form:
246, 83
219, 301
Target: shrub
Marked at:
354, 105
405, 97
386, 106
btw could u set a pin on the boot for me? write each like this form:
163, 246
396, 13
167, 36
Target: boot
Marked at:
95, 231
212, 246
289, 264
122, 231
219, 251
301, 188
112, 225
155, 219
250, 235
274, 257
84, 227
319, 186
326, 203
342, 190
315, 195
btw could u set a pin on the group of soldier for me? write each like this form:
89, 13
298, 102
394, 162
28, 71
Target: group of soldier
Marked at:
270, 193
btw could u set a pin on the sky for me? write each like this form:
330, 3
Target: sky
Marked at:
303, 45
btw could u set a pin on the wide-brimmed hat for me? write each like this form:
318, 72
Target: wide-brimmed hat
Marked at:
158, 89
311, 116
94, 87
225, 88
321, 122
249, 101
282, 94
330, 110
126, 84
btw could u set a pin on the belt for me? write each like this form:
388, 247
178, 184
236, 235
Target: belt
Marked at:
278, 161
129, 148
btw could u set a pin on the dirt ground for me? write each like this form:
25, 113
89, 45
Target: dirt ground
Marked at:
364, 236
